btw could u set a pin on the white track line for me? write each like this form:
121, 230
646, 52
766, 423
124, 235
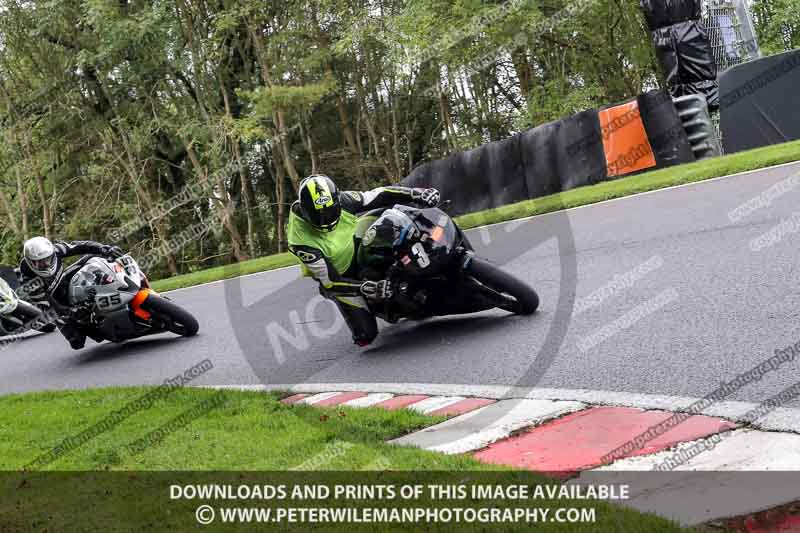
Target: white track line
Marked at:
479, 428
737, 451
316, 398
781, 419
369, 400
429, 405
519, 221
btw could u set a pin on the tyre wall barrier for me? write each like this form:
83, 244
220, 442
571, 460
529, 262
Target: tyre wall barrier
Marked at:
693, 111
488, 176
665, 129
589, 147
563, 155
760, 102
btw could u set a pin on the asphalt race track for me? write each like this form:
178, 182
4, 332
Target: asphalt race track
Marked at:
693, 305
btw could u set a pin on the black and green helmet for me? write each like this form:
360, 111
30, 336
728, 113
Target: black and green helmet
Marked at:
319, 202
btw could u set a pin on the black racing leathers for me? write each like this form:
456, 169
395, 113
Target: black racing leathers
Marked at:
57, 287
344, 289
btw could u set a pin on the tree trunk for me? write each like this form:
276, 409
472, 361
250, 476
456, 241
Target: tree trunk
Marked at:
371, 130
444, 109
12, 220
45, 205
23, 203
237, 154
248, 200
283, 135
308, 142
161, 229
223, 202
398, 166
280, 201
277, 115
524, 74
350, 138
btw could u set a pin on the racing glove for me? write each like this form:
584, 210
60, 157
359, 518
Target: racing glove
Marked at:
113, 252
427, 197
82, 312
377, 291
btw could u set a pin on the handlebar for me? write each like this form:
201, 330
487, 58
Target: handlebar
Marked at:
443, 205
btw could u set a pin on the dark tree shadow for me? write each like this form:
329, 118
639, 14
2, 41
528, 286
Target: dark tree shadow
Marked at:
409, 335
108, 351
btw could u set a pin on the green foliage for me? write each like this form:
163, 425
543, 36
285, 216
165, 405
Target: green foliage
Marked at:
556, 99
265, 100
777, 24
110, 110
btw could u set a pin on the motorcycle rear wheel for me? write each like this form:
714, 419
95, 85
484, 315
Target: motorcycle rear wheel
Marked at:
523, 299
177, 319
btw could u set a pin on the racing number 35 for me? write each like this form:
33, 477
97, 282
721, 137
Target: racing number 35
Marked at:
108, 301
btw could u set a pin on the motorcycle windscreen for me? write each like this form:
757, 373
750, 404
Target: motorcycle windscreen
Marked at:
96, 273
382, 240
430, 253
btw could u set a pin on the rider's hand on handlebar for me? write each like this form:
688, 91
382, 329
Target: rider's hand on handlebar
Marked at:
428, 197
377, 291
81, 312
113, 252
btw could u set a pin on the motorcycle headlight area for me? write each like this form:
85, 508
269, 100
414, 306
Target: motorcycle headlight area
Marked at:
96, 273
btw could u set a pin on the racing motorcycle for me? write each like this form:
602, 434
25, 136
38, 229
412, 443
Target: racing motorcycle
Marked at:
33, 291
433, 267
16, 314
120, 305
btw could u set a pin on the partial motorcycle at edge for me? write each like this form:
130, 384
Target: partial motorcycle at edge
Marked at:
19, 309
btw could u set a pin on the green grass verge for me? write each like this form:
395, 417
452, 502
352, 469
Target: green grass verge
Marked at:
89, 487
648, 181
253, 266
233, 436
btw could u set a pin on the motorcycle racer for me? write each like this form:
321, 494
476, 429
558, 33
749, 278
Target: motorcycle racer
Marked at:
322, 235
44, 260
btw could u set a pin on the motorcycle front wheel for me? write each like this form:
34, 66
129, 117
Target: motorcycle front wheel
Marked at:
176, 319
520, 298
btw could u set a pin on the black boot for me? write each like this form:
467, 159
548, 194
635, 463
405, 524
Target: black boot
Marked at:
75, 337
77, 343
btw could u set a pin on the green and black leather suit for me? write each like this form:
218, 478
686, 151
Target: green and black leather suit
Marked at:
329, 257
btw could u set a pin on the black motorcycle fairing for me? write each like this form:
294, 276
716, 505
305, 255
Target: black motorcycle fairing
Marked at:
432, 252
117, 326
421, 251
421, 241
453, 295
